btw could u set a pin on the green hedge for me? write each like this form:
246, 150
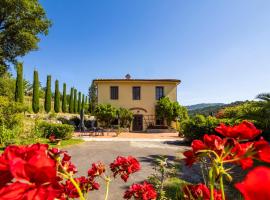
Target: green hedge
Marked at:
61, 131
196, 127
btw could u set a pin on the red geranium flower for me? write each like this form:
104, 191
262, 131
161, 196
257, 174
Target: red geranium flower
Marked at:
262, 148
256, 184
143, 191
245, 130
240, 150
32, 168
85, 184
125, 166
67, 165
96, 170
52, 138
211, 142
199, 191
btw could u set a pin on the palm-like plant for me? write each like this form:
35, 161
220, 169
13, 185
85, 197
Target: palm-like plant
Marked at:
265, 108
264, 97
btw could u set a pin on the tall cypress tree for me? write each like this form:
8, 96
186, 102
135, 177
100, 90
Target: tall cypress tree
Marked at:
57, 97
75, 101
64, 98
35, 99
19, 84
79, 102
82, 106
48, 95
71, 101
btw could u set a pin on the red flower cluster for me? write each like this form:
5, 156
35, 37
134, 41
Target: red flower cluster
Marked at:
200, 191
28, 172
85, 184
210, 142
245, 130
235, 151
143, 191
124, 166
52, 138
256, 184
36, 172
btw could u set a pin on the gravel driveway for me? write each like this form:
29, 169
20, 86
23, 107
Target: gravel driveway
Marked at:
85, 154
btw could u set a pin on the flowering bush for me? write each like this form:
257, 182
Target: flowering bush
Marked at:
37, 172
238, 146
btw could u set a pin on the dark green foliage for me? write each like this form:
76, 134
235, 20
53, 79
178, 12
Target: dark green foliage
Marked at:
105, 114
11, 120
48, 95
64, 98
79, 102
92, 92
83, 102
125, 117
57, 97
19, 93
196, 127
170, 111
35, 98
22, 22
71, 102
10, 112
61, 131
75, 101
7, 86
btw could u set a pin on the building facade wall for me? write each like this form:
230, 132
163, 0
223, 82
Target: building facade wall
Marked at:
146, 104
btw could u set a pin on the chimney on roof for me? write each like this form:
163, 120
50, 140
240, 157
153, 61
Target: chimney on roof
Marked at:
128, 76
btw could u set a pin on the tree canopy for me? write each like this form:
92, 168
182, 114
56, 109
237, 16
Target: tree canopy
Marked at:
22, 22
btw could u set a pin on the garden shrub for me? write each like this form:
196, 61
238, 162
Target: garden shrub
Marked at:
196, 127
61, 131
170, 111
125, 117
105, 114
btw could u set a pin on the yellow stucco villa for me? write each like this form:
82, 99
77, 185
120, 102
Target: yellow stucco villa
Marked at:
138, 95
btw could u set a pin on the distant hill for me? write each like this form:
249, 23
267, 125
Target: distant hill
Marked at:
209, 108
203, 105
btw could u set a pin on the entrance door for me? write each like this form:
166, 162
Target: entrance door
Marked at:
137, 122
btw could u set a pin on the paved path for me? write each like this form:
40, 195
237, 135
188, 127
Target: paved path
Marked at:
85, 154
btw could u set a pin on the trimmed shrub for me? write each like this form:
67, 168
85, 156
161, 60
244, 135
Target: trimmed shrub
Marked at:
105, 114
64, 98
75, 101
35, 100
79, 102
83, 103
125, 117
196, 127
19, 93
57, 97
48, 95
71, 108
61, 131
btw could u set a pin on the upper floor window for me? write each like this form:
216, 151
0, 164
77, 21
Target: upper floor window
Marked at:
136, 93
159, 92
114, 92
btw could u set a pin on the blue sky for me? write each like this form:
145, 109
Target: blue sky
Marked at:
219, 49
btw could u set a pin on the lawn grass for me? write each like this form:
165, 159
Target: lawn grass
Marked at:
173, 188
64, 143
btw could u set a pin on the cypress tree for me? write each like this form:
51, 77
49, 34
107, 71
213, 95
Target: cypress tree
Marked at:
75, 101
64, 98
35, 98
82, 102
71, 101
57, 97
48, 95
19, 84
79, 102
